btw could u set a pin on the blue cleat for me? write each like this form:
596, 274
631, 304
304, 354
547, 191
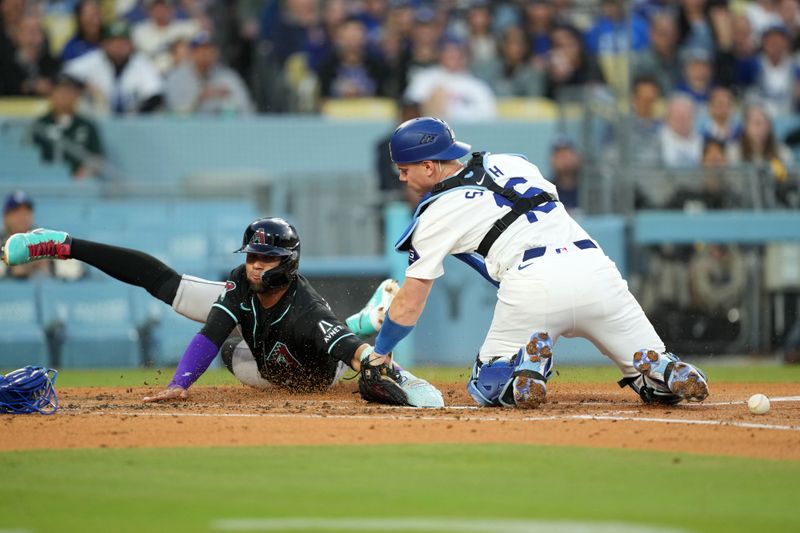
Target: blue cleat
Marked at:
682, 379
22, 248
532, 371
369, 320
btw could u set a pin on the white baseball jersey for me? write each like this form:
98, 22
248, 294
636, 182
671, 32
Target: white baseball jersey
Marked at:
551, 276
458, 220
138, 81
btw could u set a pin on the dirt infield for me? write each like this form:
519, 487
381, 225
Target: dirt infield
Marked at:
575, 415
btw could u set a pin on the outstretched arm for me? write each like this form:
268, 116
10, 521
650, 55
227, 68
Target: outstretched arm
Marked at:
403, 314
198, 355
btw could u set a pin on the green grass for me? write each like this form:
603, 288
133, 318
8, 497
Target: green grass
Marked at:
187, 489
132, 377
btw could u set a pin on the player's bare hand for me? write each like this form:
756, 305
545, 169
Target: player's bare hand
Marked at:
174, 393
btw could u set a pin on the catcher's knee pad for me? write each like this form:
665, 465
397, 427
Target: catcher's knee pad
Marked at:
490, 383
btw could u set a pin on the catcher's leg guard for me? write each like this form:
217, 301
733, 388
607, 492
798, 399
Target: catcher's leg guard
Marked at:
665, 371
519, 382
534, 366
489, 381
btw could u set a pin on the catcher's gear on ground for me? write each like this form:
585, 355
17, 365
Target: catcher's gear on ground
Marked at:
29, 390
380, 383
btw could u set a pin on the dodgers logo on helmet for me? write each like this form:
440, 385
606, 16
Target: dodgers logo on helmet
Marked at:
425, 139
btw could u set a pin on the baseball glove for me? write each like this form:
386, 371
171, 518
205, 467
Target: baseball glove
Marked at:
380, 383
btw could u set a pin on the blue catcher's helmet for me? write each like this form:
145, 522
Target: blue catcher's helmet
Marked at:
28, 390
425, 139
274, 237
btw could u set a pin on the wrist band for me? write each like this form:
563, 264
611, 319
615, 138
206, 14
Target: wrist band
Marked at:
391, 333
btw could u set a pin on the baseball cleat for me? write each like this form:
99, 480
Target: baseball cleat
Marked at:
22, 248
369, 320
531, 373
682, 379
688, 382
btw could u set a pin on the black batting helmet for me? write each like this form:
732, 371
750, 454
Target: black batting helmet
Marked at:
274, 237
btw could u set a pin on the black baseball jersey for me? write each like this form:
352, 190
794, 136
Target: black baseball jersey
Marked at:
297, 343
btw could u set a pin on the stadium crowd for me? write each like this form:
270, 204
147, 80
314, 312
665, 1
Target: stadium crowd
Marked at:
704, 81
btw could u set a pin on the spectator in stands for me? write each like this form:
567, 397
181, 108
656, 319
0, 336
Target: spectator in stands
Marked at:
30, 70
11, 12
117, 79
712, 192
351, 71
645, 124
481, 42
744, 51
202, 85
539, 20
608, 41
762, 14
372, 15
661, 60
722, 124
63, 135
88, 30
694, 26
697, 76
778, 80
154, 36
681, 144
759, 146
423, 49
512, 74
450, 91
565, 164
18, 217
568, 64
789, 11
295, 28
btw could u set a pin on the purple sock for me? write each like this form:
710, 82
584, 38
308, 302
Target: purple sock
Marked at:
198, 355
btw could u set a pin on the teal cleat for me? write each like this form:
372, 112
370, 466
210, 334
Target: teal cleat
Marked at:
369, 320
533, 368
22, 248
684, 380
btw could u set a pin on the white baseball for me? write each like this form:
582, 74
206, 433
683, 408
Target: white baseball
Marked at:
758, 404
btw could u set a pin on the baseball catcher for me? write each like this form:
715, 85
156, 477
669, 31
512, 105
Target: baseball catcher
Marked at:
287, 336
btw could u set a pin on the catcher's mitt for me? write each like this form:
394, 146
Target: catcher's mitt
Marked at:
380, 383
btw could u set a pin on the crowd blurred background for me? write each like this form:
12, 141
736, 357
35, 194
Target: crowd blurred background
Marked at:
628, 106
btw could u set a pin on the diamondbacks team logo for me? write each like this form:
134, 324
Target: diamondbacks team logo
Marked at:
280, 355
229, 286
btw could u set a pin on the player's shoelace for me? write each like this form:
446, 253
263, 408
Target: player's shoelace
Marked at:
48, 249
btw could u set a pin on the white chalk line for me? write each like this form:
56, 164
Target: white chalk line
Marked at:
432, 524
619, 418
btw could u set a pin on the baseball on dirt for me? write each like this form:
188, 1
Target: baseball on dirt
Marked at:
758, 404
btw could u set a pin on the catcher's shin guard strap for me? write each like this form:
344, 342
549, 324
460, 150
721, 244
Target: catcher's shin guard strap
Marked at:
488, 381
391, 333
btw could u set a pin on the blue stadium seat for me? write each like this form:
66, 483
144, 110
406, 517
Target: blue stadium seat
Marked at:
22, 339
96, 322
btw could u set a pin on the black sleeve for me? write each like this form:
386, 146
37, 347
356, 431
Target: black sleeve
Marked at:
328, 335
218, 326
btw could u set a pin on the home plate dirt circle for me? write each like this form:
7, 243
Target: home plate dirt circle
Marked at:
596, 415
